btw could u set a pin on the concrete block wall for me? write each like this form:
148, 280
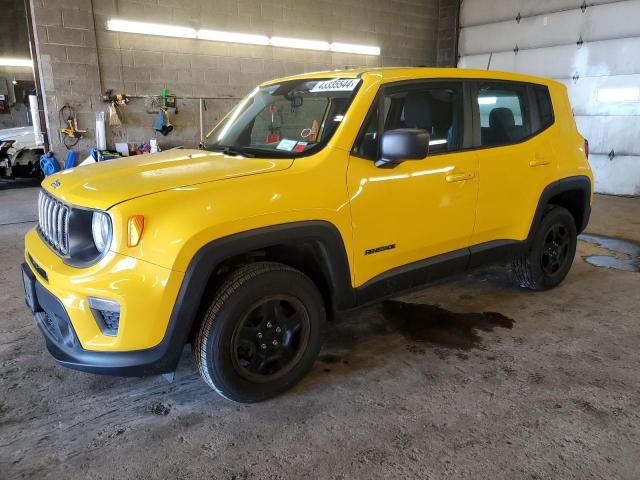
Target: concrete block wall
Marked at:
67, 57
448, 11
80, 58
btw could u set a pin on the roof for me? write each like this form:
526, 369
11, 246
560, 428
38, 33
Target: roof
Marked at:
408, 73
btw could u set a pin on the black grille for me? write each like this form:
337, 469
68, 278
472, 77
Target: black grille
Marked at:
110, 319
53, 222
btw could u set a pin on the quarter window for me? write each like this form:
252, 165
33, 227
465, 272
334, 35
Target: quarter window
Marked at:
436, 108
545, 109
503, 114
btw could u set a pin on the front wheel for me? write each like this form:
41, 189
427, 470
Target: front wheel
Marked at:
261, 333
550, 255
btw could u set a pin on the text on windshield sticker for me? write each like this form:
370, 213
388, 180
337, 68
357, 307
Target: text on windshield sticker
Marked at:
336, 85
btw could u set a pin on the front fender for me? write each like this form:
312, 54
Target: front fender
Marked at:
206, 261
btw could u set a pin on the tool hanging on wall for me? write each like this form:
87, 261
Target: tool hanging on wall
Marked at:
71, 135
162, 123
111, 96
153, 103
115, 120
116, 100
169, 100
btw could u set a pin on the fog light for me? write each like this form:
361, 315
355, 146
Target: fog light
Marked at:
107, 315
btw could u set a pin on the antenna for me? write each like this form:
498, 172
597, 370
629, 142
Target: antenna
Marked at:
489, 62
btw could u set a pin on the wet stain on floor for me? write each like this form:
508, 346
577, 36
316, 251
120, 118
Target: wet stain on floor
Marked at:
625, 253
330, 358
422, 323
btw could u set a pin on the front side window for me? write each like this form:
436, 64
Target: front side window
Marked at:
286, 119
503, 114
436, 108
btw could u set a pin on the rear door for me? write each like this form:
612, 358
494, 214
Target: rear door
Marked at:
516, 159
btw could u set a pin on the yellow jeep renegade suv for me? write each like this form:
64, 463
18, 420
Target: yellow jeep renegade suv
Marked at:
316, 194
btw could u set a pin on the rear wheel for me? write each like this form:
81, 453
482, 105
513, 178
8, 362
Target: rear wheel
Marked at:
550, 255
261, 333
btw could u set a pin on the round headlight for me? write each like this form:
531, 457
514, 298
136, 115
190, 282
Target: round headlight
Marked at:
101, 230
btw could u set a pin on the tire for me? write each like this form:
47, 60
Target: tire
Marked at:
261, 311
549, 257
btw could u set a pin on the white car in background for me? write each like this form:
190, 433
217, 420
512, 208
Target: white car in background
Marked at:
24, 153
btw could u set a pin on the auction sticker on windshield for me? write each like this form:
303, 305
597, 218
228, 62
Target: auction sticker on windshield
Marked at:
286, 145
336, 85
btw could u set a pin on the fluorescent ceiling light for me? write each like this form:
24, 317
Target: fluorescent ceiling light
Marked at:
611, 95
231, 37
437, 142
353, 48
151, 29
145, 28
487, 100
16, 62
299, 43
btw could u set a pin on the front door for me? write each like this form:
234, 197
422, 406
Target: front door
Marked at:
419, 208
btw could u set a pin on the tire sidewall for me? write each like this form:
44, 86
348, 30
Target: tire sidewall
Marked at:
218, 346
553, 216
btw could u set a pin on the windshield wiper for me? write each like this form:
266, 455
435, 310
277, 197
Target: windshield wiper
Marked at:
227, 150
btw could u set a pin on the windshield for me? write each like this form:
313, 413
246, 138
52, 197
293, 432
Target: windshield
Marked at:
288, 119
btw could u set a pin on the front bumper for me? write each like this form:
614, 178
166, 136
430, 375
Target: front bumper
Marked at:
147, 339
63, 344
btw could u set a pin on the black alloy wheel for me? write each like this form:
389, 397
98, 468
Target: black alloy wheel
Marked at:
271, 337
555, 249
549, 254
261, 332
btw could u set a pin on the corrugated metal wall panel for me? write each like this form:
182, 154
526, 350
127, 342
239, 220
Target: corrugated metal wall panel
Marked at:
583, 95
548, 39
601, 132
613, 176
480, 12
602, 22
592, 59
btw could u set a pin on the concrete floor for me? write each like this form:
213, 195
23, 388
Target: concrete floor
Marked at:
546, 387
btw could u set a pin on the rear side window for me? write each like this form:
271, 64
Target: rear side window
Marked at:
504, 117
545, 108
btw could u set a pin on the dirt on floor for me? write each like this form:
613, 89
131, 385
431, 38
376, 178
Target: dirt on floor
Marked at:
473, 378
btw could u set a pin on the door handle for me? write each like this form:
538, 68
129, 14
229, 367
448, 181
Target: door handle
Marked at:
459, 177
540, 160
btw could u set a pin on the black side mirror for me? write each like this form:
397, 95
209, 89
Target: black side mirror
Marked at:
402, 144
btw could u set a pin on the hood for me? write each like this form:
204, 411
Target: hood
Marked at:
103, 184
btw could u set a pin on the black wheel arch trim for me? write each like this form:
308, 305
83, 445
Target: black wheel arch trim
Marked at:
581, 183
325, 235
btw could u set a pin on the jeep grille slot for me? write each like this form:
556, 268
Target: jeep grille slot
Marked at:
53, 222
